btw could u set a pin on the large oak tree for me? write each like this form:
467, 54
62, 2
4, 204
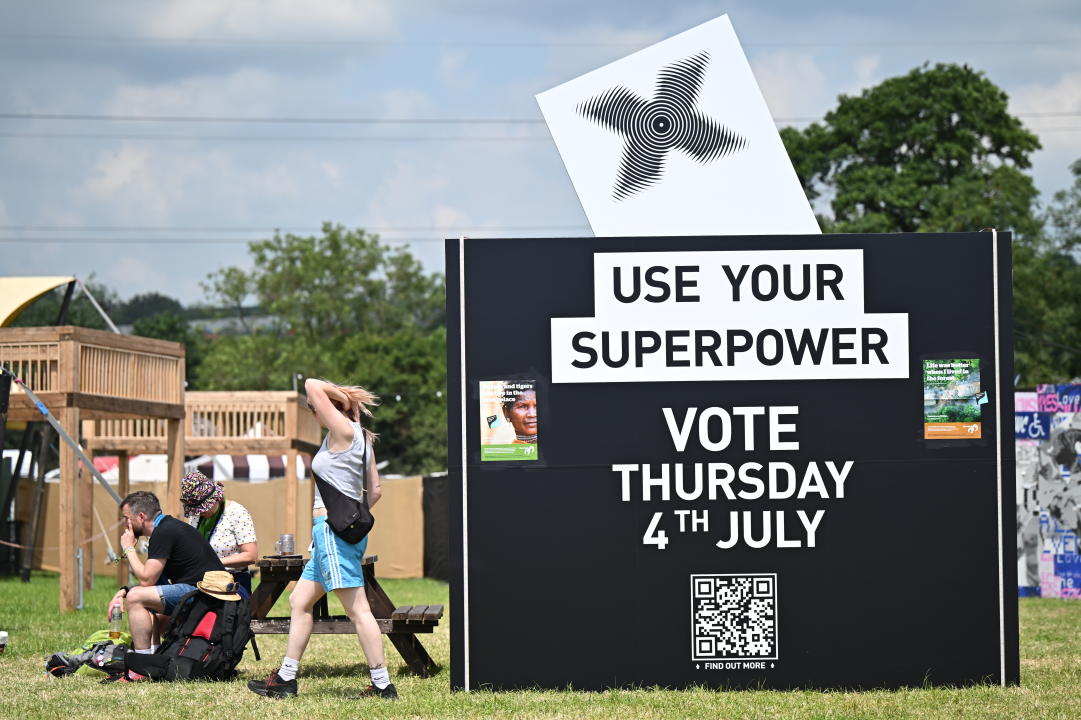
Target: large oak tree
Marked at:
351, 309
933, 150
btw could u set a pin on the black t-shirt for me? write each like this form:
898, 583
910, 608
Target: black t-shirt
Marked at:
186, 554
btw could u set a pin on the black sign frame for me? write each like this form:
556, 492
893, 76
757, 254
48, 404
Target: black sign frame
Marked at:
913, 580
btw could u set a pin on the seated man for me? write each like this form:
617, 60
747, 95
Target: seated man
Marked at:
177, 551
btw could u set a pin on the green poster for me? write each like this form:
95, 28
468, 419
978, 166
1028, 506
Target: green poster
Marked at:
952, 398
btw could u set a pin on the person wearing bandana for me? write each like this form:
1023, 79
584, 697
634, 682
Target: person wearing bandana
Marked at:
225, 524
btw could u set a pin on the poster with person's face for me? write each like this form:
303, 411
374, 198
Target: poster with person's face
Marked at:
509, 420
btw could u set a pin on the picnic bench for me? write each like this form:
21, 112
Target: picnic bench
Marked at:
400, 624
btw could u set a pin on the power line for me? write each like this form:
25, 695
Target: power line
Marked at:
160, 241
340, 138
240, 228
249, 139
185, 241
91, 117
287, 120
323, 41
272, 138
129, 241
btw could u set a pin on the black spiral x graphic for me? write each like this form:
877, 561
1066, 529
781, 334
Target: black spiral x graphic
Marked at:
652, 128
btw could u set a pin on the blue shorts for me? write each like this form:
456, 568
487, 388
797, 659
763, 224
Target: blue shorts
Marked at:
172, 594
334, 563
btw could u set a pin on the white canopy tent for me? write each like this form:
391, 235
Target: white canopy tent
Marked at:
153, 468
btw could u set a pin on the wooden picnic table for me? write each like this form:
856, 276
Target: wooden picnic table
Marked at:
400, 624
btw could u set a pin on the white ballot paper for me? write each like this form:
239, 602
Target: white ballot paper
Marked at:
676, 139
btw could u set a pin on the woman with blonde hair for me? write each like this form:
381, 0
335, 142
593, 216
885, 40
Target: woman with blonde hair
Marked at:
346, 463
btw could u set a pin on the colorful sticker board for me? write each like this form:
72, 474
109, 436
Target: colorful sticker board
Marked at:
1047, 430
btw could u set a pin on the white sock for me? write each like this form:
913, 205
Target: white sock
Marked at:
380, 677
154, 648
144, 651
288, 670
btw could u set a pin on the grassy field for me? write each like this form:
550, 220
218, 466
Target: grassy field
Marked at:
333, 672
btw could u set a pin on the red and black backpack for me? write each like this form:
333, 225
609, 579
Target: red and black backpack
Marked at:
204, 641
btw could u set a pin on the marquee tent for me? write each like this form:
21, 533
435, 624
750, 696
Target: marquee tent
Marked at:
18, 292
152, 467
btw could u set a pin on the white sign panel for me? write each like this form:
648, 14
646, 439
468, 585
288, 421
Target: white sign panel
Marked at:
676, 139
729, 315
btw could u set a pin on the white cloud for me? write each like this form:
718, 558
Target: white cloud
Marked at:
276, 181
450, 218
404, 192
406, 103
590, 47
130, 275
792, 83
269, 18
124, 177
136, 184
117, 170
866, 67
1062, 96
253, 90
331, 171
1061, 146
452, 70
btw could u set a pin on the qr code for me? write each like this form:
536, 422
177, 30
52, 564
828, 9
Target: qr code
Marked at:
734, 617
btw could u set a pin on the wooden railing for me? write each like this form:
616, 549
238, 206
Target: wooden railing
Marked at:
125, 373
82, 376
219, 422
230, 415
38, 364
70, 359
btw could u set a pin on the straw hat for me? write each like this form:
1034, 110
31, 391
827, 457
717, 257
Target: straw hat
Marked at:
219, 584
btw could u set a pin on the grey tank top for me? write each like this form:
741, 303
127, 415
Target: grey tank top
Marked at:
342, 470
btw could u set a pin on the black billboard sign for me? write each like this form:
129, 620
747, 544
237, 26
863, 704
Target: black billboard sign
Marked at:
773, 461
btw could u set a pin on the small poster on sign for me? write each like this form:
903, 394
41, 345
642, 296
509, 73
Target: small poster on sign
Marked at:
508, 423
952, 399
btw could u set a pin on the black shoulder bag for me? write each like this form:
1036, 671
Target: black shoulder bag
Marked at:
350, 519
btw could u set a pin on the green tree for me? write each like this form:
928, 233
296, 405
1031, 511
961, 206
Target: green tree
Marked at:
352, 310
146, 305
1064, 213
229, 288
933, 150
334, 285
409, 370
1047, 293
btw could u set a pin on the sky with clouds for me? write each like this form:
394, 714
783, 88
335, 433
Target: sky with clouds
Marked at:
156, 206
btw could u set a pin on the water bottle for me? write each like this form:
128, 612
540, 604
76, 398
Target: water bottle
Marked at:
116, 623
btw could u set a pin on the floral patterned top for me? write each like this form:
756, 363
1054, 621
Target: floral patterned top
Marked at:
233, 530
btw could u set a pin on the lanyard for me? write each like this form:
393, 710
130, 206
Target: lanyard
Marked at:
158, 519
